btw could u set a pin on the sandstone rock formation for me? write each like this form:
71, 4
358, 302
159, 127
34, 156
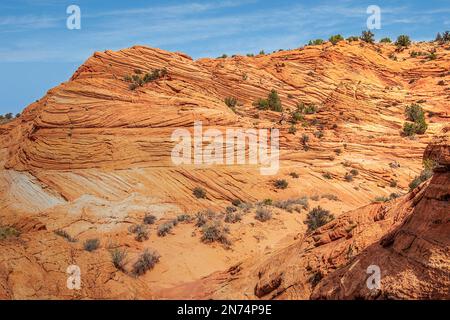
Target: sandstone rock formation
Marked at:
92, 157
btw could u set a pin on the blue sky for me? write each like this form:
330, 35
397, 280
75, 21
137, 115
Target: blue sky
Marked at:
37, 51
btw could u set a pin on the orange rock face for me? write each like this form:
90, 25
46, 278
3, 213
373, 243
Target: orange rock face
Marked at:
93, 157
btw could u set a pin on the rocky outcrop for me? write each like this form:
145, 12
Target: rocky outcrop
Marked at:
93, 156
407, 240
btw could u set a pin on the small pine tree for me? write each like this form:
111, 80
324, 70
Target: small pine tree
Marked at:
403, 41
274, 101
446, 36
367, 36
335, 39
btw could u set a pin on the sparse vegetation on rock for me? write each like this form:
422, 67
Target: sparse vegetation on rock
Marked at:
199, 193
263, 214
233, 217
184, 218
318, 217
352, 39
140, 231
138, 80
403, 41
348, 177
426, 174
146, 261
165, 228
294, 175
315, 42
418, 125
8, 232
280, 184
118, 258
149, 219
327, 175
368, 36
214, 231
291, 205
65, 235
272, 102
335, 39
231, 103
305, 142
91, 245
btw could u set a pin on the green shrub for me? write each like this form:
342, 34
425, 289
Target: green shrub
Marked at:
315, 42
138, 80
335, 39
280, 184
118, 258
354, 172
432, 56
261, 104
8, 232
146, 261
91, 245
302, 108
393, 184
199, 193
318, 217
65, 235
263, 214
403, 41
367, 36
274, 101
415, 114
386, 40
296, 116
426, 174
352, 38
149, 219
